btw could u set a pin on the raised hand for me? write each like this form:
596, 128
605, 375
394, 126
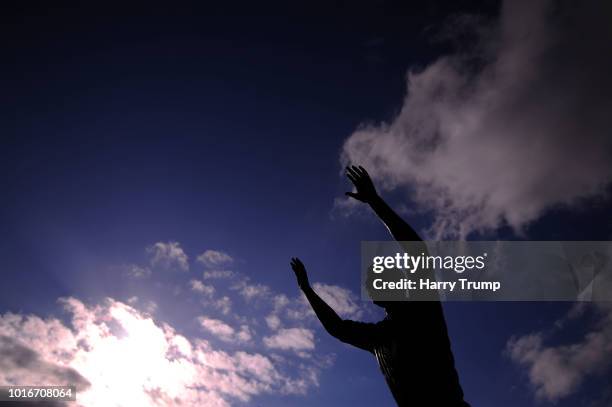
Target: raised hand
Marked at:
366, 192
300, 272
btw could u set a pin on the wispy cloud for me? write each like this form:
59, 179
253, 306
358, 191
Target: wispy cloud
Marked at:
273, 321
223, 304
218, 274
215, 258
224, 331
200, 287
296, 339
135, 271
250, 291
557, 371
168, 255
342, 300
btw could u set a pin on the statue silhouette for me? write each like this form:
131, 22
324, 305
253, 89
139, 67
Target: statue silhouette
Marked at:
411, 343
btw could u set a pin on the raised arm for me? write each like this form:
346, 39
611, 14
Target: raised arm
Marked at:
328, 317
366, 192
401, 231
359, 334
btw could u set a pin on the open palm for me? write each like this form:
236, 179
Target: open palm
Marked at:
364, 186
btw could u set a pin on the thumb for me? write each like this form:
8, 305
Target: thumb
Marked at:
353, 195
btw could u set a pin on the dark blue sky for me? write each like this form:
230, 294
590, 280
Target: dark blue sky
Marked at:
222, 129
131, 125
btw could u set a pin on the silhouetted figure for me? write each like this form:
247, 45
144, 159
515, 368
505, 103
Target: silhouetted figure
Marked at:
411, 343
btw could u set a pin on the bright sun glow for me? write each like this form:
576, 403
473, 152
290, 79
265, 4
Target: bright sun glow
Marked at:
142, 356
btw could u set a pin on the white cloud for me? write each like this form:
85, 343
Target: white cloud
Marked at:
250, 291
557, 371
273, 322
218, 274
119, 348
245, 334
217, 327
150, 306
280, 301
296, 339
224, 331
224, 304
502, 132
215, 258
198, 286
112, 349
168, 255
342, 300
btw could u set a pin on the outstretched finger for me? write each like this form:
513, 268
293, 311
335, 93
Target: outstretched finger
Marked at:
351, 177
364, 172
360, 174
352, 172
